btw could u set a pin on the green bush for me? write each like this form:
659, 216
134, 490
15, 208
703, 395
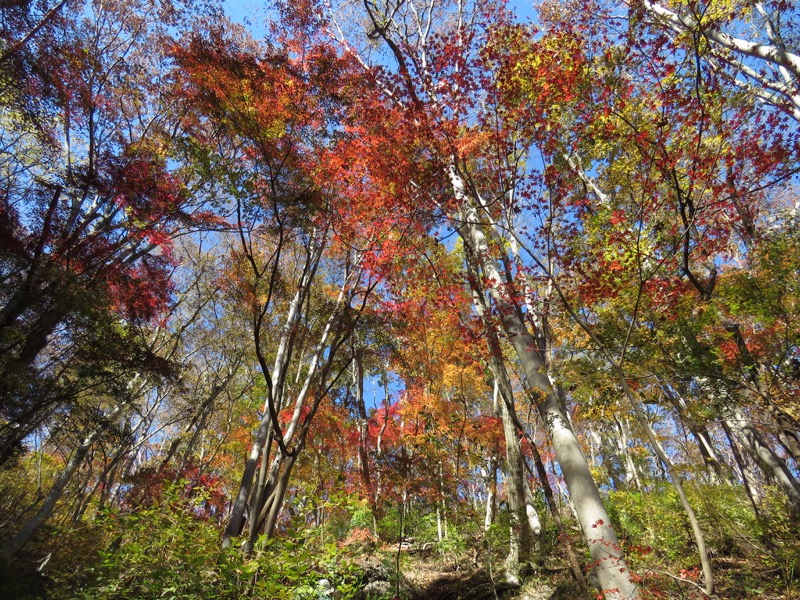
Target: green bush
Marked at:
165, 551
160, 551
658, 539
361, 519
652, 520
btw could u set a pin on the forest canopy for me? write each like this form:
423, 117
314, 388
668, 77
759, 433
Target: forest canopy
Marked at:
399, 299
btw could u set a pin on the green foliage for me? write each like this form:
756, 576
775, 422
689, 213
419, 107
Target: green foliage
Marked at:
425, 527
20, 481
157, 551
389, 526
453, 545
653, 519
295, 567
497, 538
780, 538
361, 519
657, 538
165, 551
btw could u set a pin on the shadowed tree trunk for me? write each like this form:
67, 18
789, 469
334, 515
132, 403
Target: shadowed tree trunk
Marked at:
606, 552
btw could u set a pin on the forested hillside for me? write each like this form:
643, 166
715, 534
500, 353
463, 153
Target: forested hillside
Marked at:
399, 299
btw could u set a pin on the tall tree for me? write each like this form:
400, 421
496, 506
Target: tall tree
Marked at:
441, 87
90, 200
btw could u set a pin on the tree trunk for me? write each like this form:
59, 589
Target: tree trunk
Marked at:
541, 472
261, 492
700, 433
631, 472
774, 467
363, 424
787, 433
521, 538
676, 481
491, 492
278, 495
612, 571
275, 380
752, 493
46, 509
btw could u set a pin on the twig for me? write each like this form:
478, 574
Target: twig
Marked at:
695, 584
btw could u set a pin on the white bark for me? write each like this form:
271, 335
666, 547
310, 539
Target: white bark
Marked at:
676, 481
631, 473
521, 534
787, 63
491, 492
604, 547
533, 515
773, 465
767, 52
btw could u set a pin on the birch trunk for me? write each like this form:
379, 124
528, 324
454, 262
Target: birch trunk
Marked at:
774, 467
491, 492
747, 476
541, 473
275, 380
677, 483
521, 539
701, 435
610, 566
521, 534
631, 472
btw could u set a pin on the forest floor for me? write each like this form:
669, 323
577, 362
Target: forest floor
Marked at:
434, 577
431, 577
427, 582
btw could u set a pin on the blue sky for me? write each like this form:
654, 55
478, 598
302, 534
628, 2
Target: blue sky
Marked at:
252, 13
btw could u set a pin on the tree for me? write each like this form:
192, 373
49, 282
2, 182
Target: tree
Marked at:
441, 86
751, 44
90, 201
310, 240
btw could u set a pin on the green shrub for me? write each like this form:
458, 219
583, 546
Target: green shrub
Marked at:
652, 520
361, 519
159, 551
165, 551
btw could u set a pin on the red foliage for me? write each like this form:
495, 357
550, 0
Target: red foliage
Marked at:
201, 493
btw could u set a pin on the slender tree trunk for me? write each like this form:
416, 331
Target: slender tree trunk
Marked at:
260, 494
259, 514
491, 492
236, 518
363, 451
441, 507
774, 467
604, 547
609, 455
521, 533
278, 496
46, 509
521, 538
274, 391
744, 430
575, 566
752, 494
631, 472
700, 433
787, 433
677, 483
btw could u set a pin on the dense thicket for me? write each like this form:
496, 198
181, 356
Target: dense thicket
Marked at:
402, 279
